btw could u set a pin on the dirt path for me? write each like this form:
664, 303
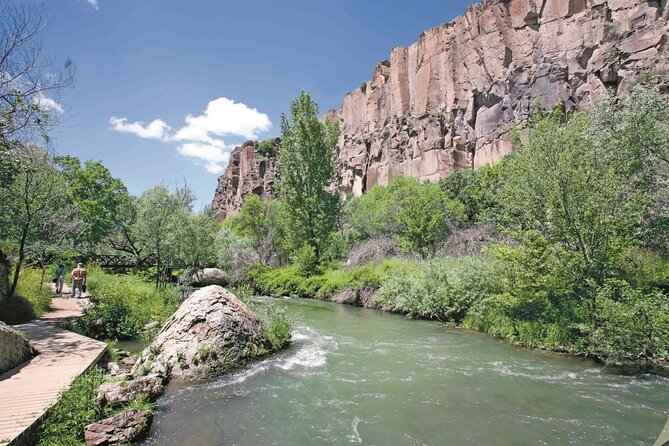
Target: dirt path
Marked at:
27, 391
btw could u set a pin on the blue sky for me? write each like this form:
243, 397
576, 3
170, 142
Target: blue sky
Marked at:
165, 88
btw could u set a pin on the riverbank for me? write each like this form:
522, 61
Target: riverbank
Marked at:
475, 292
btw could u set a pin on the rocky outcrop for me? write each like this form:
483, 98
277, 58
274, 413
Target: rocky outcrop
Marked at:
209, 276
124, 392
123, 428
14, 348
448, 102
248, 172
211, 332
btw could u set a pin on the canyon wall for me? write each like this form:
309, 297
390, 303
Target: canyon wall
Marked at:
448, 102
248, 172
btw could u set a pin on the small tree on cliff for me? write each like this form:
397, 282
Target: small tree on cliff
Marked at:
306, 167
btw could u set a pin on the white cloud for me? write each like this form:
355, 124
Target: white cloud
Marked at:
47, 103
93, 3
224, 116
156, 129
200, 137
215, 156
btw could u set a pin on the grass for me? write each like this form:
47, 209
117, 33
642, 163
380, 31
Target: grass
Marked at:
123, 305
30, 299
78, 407
75, 409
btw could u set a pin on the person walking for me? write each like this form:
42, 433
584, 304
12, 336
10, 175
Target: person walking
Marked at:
78, 276
60, 278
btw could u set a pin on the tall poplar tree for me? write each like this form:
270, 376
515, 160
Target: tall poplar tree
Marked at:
311, 206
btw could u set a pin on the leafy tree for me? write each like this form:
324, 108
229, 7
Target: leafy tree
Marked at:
235, 255
307, 175
32, 205
160, 215
585, 189
96, 195
197, 239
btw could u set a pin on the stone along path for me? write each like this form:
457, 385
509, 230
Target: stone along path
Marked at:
27, 391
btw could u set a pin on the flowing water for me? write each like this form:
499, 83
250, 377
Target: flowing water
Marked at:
356, 376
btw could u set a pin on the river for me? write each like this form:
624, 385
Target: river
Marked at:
357, 376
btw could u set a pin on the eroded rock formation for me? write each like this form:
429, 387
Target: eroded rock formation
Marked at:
447, 102
248, 172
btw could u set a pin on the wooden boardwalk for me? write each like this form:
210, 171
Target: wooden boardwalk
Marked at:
27, 391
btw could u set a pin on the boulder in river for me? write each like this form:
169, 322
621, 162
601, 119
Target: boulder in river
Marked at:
209, 276
123, 392
123, 428
211, 332
14, 348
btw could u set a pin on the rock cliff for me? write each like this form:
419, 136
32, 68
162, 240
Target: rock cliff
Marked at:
447, 102
248, 172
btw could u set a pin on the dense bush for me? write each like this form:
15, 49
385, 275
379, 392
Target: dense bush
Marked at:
417, 216
632, 324
443, 289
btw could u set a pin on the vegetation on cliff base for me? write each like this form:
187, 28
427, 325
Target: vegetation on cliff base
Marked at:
575, 226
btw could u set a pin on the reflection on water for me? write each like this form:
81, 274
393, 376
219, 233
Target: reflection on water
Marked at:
355, 376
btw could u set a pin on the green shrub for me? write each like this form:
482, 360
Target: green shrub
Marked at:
267, 147
419, 216
305, 261
277, 327
632, 324
75, 409
288, 281
443, 289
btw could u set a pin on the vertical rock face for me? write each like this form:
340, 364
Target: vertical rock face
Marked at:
448, 102
248, 172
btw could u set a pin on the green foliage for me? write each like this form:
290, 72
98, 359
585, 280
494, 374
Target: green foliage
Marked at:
267, 147
235, 255
159, 218
197, 239
305, 261
96, 195
258, 221
76, 407
277, 327
443, 289
306, 166
632, 324
419, 216
477, 191
31, 299
288, 281
123, 305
